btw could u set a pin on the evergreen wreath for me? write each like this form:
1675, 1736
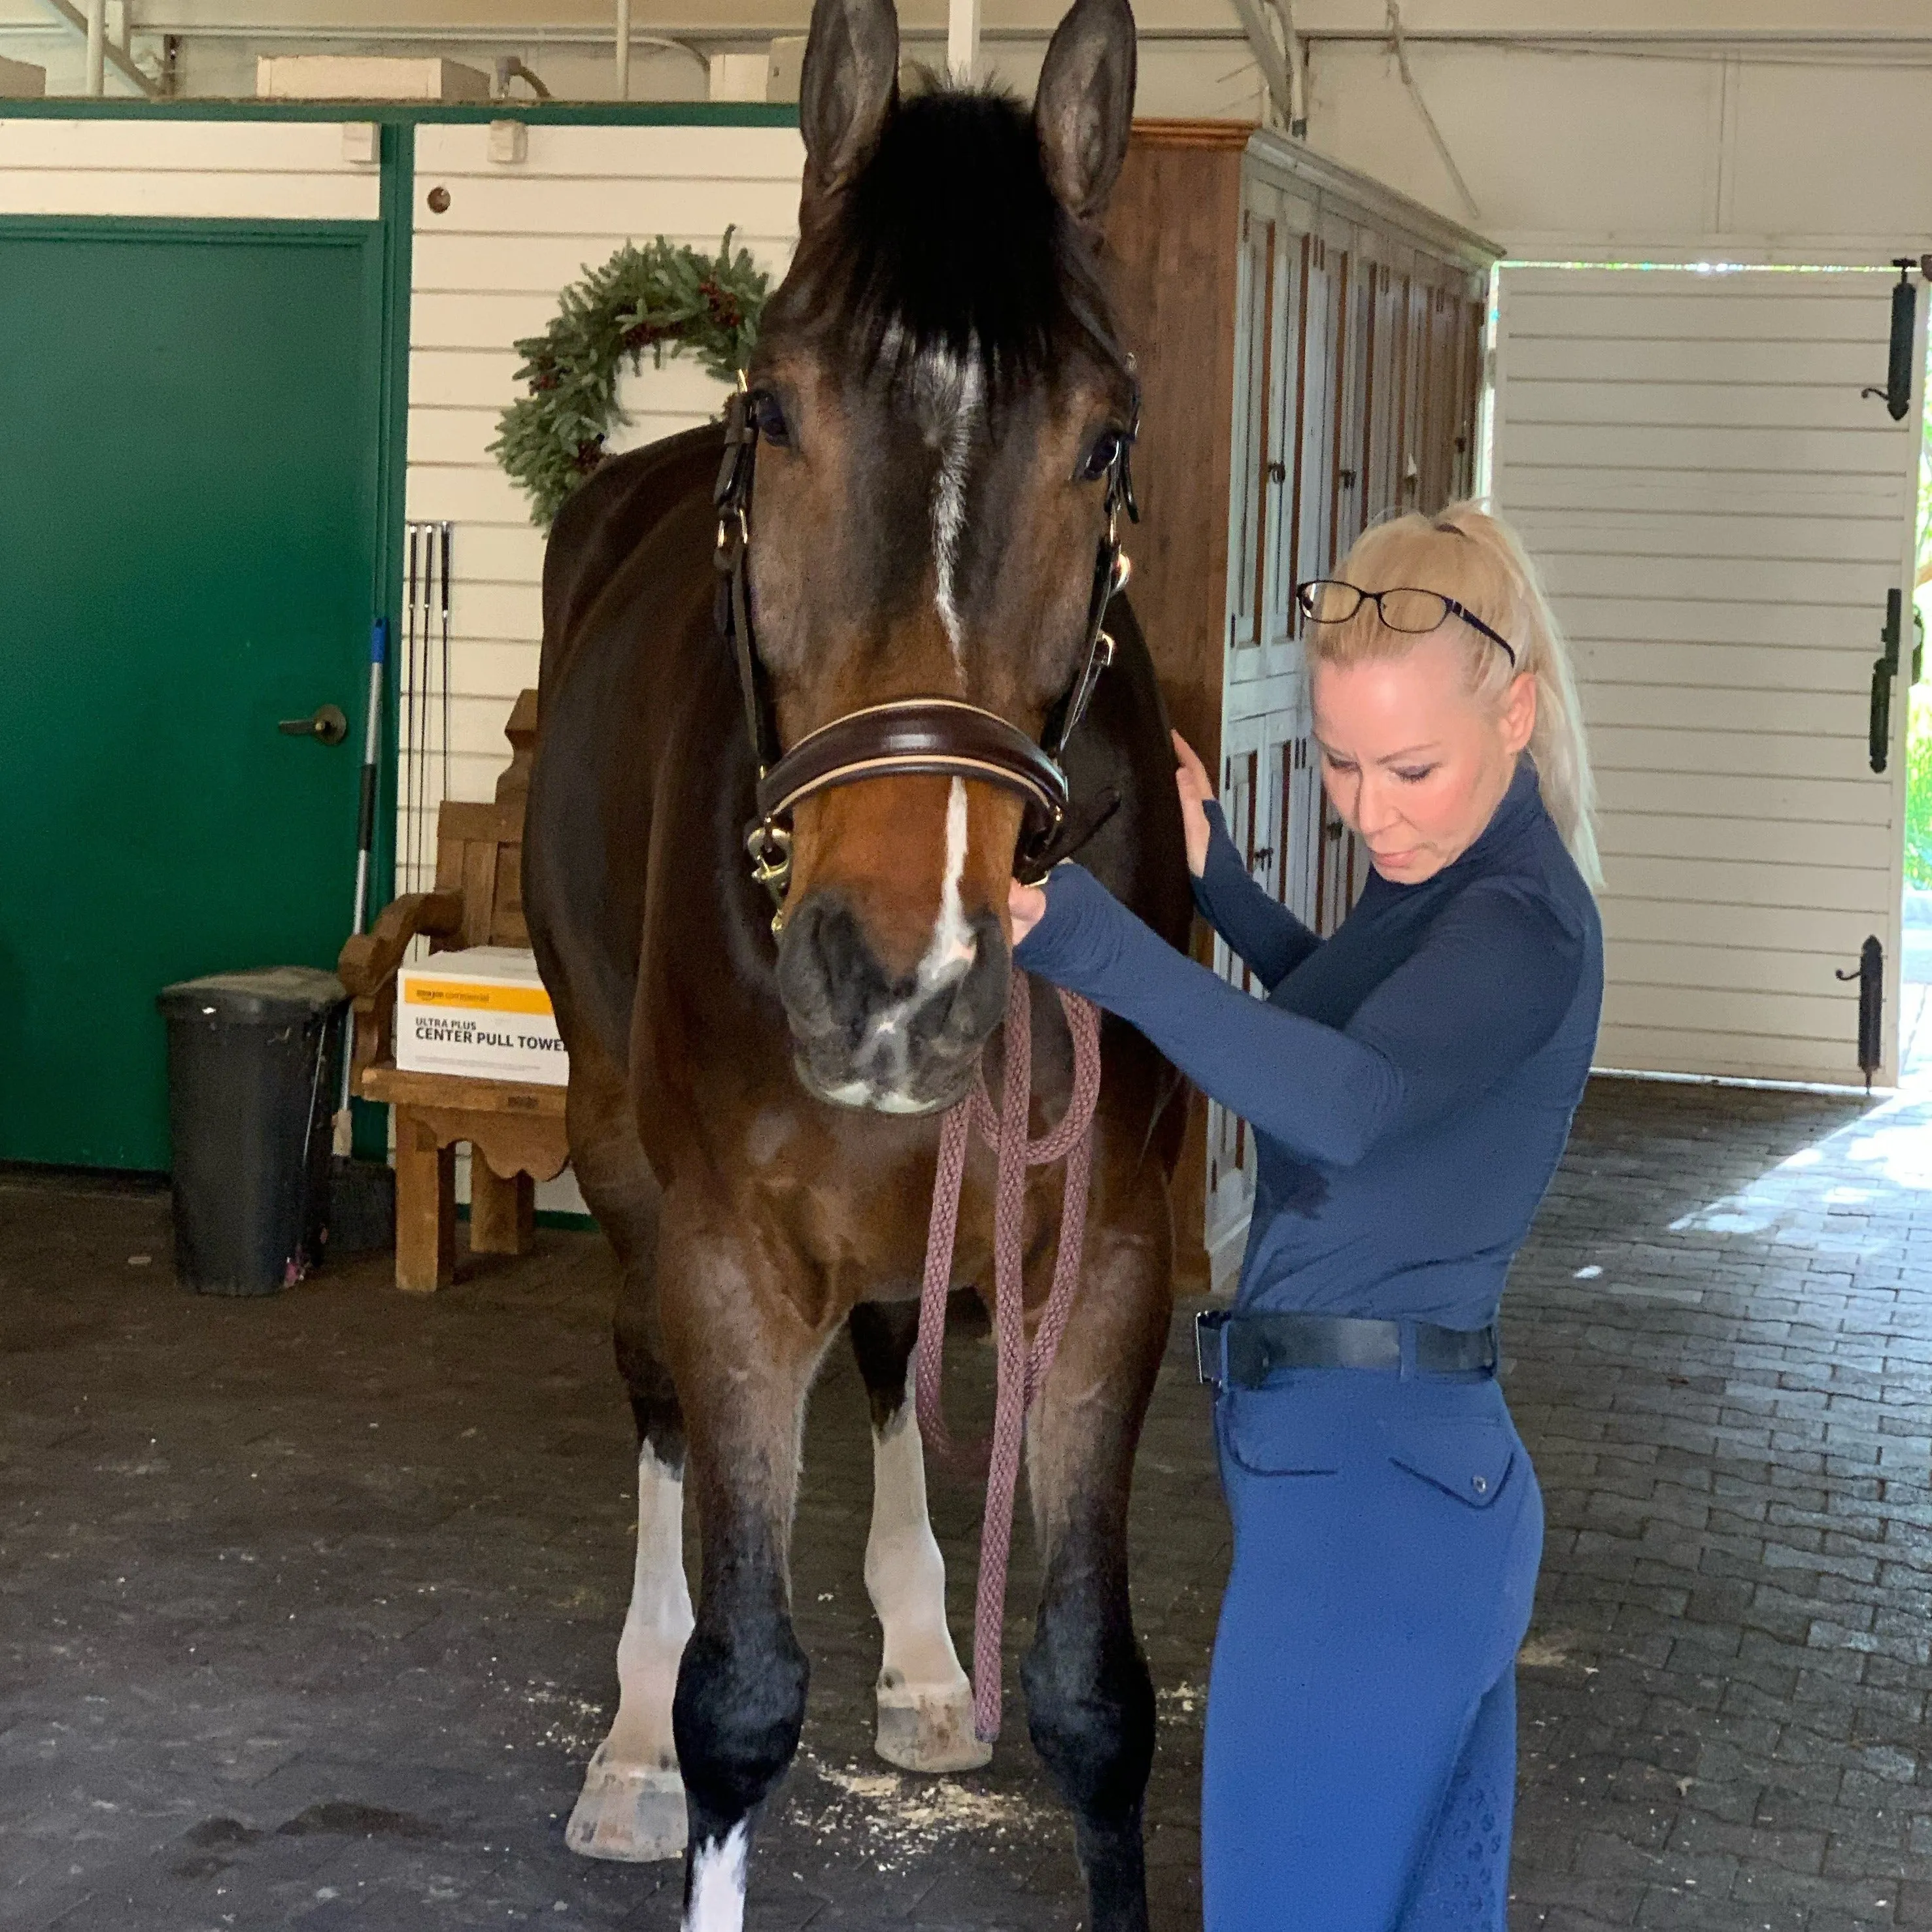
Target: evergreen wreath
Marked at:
663, 297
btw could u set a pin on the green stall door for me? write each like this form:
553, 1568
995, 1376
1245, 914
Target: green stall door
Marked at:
189, 454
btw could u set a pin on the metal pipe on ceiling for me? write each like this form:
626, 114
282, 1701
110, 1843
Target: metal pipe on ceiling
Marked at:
623, 50
112, 55
97, 47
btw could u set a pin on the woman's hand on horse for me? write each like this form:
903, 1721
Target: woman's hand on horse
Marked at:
1027, 907
1190, 780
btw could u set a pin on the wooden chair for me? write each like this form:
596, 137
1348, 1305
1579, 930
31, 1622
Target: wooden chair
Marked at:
515, 1129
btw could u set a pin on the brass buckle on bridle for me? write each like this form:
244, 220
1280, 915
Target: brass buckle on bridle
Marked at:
768, 845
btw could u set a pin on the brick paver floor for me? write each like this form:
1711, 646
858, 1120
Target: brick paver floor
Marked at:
307, 1606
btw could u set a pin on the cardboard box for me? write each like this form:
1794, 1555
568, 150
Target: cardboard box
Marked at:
366, 77
19, 81
482, 1012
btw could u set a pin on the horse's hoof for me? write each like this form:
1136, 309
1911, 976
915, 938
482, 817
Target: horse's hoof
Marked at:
633, 1812
930, 1733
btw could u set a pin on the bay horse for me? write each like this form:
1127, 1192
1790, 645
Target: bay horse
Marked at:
939, 407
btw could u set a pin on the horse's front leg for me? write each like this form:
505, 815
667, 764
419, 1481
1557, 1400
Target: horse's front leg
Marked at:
1090, 1702
925, 1703
743, 1356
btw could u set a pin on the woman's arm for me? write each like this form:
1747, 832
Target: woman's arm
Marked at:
1488, 987
1261, 930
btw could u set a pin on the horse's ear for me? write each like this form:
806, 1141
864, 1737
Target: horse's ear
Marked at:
1084, 108
845, 91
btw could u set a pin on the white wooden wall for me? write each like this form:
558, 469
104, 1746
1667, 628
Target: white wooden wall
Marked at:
1719, 515
235, 170
488, 271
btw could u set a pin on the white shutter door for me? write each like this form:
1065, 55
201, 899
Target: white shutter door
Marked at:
1719, 515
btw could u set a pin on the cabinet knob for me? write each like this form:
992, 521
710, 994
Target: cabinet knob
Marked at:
1263, 856
1279, 471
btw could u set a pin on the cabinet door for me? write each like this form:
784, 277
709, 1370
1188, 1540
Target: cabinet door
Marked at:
1438, 453
1414, 383
1266, 771
1388, 316
1299, 833
1341, 870
1248, 488
1273, 861
1315, 510
1354, 348
1231, 1179
1282, 480
1470, 315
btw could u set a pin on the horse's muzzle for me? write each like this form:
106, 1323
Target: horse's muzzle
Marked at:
864, 1037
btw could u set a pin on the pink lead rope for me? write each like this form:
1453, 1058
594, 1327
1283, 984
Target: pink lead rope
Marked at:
1021, 1373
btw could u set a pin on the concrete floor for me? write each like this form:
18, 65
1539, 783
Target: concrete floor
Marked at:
307, 1606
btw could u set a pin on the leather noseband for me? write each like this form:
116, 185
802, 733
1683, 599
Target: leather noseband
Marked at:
926, 736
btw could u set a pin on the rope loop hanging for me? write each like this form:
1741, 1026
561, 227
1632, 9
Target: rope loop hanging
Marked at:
1021, 1371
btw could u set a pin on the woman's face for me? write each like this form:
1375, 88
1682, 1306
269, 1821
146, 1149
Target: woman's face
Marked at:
1417, 763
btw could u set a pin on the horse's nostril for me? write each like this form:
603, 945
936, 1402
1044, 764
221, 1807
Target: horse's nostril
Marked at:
829, 976
869, 1038
967, 1008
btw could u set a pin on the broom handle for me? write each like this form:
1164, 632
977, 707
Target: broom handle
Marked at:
365, 817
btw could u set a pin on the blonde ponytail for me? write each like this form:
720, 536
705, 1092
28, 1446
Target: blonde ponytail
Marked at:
1477, 559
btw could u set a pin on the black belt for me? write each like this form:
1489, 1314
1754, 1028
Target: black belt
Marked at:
1244, 1350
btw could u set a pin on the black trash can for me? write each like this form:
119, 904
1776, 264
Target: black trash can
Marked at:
252, 1061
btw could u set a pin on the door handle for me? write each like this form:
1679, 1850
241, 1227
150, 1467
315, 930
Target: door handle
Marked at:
1897, 394
328, 725
1884, 668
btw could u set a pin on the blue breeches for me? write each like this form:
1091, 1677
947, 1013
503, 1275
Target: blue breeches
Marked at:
1360, 1766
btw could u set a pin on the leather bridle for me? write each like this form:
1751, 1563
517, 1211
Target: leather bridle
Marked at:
942, 736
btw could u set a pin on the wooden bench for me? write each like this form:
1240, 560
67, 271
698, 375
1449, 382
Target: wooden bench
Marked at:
515, 1129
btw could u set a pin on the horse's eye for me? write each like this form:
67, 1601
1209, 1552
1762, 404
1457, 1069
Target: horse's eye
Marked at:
1101, 457
769, 419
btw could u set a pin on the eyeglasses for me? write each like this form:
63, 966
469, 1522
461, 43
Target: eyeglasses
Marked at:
1327, 600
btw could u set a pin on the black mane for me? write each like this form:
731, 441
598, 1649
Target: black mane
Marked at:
951, 239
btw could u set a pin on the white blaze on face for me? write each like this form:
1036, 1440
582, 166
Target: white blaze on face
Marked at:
951, 952
949, 957
717, 1901
952, 391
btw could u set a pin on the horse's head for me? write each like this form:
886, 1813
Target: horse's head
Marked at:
940, 397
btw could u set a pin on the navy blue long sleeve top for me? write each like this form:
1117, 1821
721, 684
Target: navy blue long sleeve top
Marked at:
1410, 1080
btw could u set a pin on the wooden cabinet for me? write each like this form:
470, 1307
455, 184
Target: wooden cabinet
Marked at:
1309, 346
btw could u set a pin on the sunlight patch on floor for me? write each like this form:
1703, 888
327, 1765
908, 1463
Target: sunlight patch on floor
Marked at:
1814, 1198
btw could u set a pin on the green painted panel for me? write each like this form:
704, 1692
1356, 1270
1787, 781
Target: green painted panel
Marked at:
187, 555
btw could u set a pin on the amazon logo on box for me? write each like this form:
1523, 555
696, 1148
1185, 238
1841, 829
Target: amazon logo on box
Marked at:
482, 1012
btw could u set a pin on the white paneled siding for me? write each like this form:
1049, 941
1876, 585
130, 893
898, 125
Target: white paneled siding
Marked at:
233, 170
489, 271
1719, 515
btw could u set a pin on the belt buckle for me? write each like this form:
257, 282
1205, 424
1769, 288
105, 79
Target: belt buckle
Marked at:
1211, 1352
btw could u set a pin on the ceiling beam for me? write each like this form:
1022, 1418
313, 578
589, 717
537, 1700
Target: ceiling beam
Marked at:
1268, 57
113, 54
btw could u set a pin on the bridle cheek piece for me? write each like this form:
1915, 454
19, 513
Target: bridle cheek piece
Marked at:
941, 737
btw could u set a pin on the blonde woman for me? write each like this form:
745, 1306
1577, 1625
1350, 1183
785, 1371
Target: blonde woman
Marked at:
1411, 1080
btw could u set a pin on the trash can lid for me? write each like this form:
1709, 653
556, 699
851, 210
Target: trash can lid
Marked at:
269, 995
